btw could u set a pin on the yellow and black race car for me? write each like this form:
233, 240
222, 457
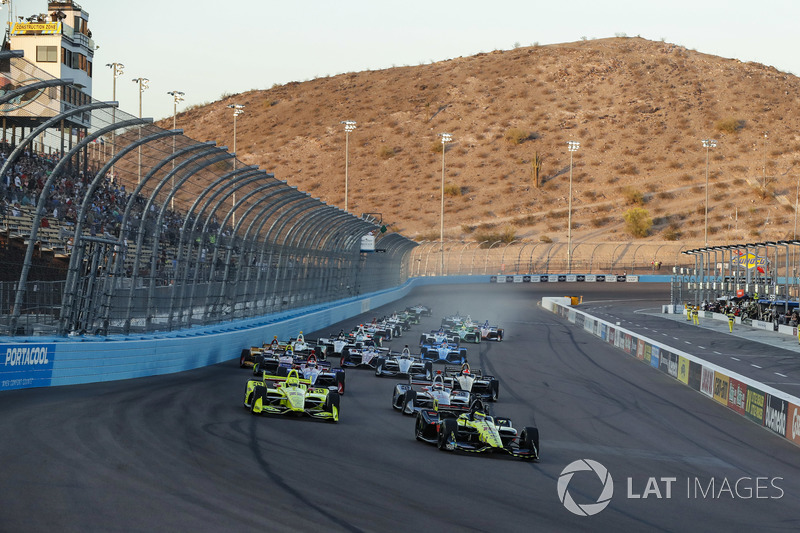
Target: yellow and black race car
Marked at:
476, 432
291, 395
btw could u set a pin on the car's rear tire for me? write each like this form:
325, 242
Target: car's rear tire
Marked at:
494, 386
448, 435
529, 440
408, 402
419, 427
379, 366
243, 358
340, 382
259, 391
331, 401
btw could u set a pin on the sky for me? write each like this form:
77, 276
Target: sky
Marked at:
208, 48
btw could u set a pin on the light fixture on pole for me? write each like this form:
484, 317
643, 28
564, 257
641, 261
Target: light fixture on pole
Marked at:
572, 146
143, 85
238, 109
177, 96
116, 70
446, 138
707, 144
349, 125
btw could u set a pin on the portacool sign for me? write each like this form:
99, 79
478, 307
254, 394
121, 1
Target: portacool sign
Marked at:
26, 365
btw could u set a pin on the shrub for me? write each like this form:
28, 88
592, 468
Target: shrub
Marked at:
638, 222
451, 189
672, 233
505, 236
545, 239
633, 196
436, 147
386, 152
730, 125
517, 136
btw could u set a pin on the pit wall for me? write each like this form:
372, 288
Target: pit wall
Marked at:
775, 410
41, 361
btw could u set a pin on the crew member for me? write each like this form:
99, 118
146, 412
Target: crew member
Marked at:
731, 319
696, 315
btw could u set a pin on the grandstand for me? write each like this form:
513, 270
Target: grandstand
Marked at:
111, 225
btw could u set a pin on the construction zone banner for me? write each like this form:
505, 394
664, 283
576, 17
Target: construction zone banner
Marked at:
35, 28
750, 261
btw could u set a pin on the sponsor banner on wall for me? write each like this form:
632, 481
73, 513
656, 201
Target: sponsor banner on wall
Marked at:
26, 365
510, 279
591, 278
601, 278
526, 279
603, 331
552, 279
630, 344
579, 319
535, 279
492, 279
612, 335
572, 278
654, 356
755, 404
589, 324
609, 279
632, 279
640, 349
683, 370
707, 382
673, 365
647, 351
793, 423
775, 414
737, 395
721, 382
695, 374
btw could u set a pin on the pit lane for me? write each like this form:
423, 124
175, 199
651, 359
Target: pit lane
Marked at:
180, 453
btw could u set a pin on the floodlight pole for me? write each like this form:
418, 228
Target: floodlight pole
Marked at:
572, 146
349, 125
116, 70
177, 96
142, 86
708, 144
446, 138
238, 109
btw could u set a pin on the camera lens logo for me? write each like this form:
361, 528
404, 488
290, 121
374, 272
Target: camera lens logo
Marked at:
587, 509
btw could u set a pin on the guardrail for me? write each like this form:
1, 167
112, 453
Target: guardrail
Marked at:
770, 408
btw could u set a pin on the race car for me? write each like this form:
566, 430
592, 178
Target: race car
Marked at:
419, 394
249, 356
320, 373
360, 334
291, 395
491, 333
443, 352
481, 386
403, 364
437, 337
477, 432
420, 310
361, 357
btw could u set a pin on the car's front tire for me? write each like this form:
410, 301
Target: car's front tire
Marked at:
448, 435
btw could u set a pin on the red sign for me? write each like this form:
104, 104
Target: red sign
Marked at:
739, 293
737, 396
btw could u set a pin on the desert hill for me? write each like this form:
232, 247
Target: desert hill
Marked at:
639, 109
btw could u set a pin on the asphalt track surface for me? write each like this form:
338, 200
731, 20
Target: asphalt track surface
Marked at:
180, 452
